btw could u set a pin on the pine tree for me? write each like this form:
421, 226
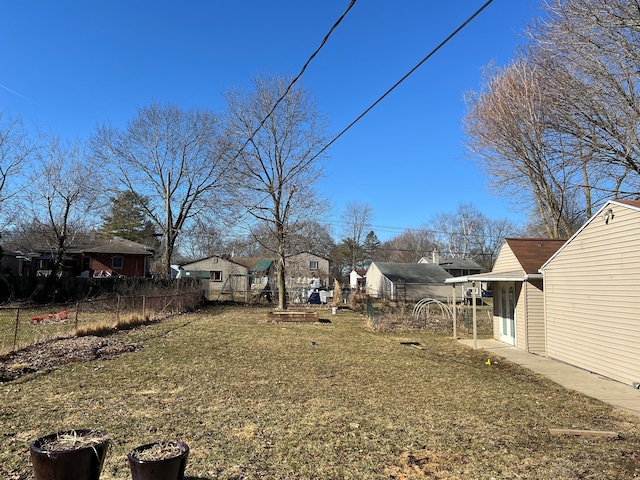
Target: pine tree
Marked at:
127, 219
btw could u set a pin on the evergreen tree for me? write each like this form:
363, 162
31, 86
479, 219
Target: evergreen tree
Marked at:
127, 219
370, 247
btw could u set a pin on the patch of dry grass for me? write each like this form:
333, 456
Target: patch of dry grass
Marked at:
325, 401
103, 327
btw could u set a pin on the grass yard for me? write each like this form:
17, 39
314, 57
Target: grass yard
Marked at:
317, 401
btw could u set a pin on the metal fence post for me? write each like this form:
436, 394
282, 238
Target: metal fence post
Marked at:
15, 332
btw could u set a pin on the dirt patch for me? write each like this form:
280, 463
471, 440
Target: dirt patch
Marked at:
53, 353
422, 464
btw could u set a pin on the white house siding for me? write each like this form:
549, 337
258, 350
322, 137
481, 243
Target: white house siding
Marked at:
535, 317
377, 285
529, 309
592, 297
521, 315
506, 260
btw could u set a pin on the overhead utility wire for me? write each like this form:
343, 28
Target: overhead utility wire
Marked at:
431, 53
304, 67
275, 105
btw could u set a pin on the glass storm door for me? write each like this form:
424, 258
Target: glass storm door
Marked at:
507, 313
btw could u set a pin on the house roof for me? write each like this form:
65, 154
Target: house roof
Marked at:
631, 203
262, 265
459, 264
413, 272
115, 245
254, 264
185, 266
531, 253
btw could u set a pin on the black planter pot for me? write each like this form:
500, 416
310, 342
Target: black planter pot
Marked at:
163, 469
84, 463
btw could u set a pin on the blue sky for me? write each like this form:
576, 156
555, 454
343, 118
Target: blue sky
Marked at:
72, 64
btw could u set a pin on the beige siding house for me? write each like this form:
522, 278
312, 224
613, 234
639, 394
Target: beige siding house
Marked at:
407, 282
518, 300
220, 278
305, 268
592, 295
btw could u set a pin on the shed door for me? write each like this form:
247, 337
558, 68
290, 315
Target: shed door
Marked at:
507, 313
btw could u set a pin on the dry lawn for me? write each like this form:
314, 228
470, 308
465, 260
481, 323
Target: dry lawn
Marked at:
317, 401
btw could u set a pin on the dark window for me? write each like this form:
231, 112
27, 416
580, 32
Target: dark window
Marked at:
117, 262
216, 275
313, 265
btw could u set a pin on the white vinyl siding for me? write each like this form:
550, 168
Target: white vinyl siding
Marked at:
506, 260
535, 317
521, 316
592, 296
529, 310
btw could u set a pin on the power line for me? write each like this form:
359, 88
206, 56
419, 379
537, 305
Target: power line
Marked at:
297, 77
429, 55
418, 65
286, 92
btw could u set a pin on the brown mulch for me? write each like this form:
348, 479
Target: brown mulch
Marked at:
53, 353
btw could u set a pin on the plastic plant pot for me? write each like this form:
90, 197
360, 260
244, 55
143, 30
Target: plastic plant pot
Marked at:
146, 466
79, 457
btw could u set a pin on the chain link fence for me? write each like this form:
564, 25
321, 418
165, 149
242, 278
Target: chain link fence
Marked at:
21, 326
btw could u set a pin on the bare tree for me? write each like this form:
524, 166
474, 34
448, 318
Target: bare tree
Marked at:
589, 52
205, 237
63, 203
561, 123
408, 247
356, 219
17, 148
176, 158
278, 164
487, 242
508, 131
456, 233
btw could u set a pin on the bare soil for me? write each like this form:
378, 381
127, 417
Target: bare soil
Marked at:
54, 353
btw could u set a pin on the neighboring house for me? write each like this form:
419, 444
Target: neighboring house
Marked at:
456, 267
407, 282
518, 302
94, 256
14, 263
304, 273
358, 280
218, 277
305, 269
262, 275
592, 295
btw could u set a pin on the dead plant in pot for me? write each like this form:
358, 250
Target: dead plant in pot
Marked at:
159, 461
72, 454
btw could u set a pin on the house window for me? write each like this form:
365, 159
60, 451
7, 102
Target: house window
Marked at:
313, 265
216, 275
117, 262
